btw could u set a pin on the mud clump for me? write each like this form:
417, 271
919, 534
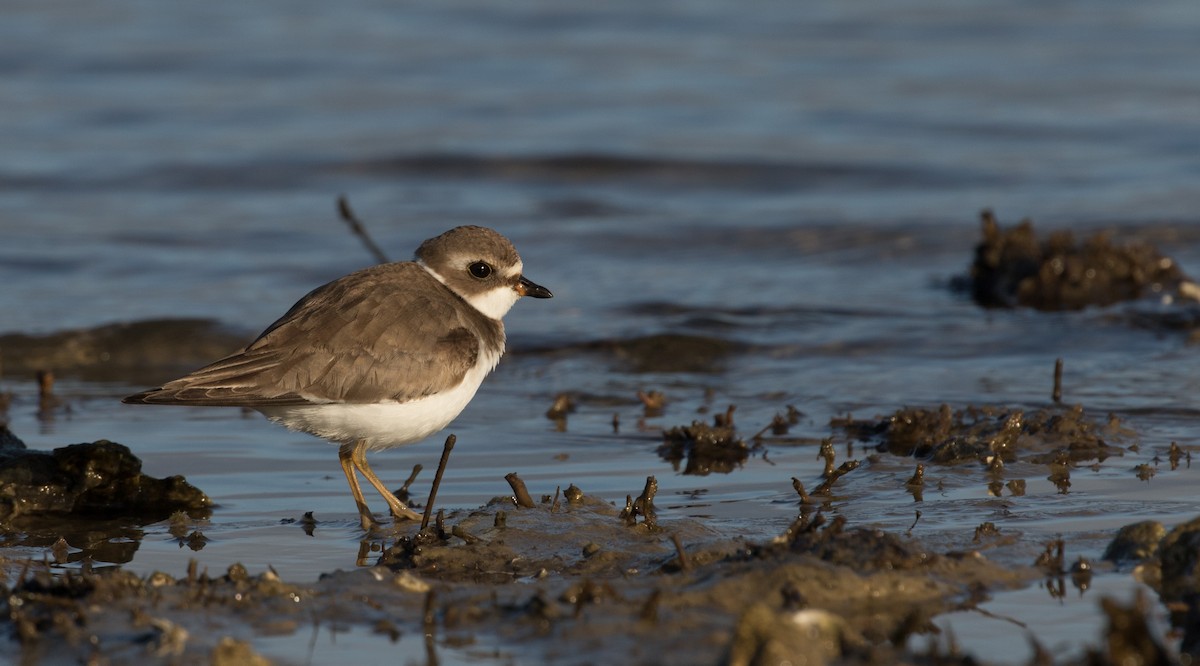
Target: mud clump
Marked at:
989, 434
860, 549
1136, 542
1013, 268
705, 448
1169, 562
97, 479
1179, 557
821, 592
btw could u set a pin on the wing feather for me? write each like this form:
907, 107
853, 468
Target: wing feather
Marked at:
363, 338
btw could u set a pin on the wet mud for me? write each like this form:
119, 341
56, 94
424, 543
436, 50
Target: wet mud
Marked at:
558, 579
569, 578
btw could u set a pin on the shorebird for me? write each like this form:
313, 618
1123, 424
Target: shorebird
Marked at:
382, 357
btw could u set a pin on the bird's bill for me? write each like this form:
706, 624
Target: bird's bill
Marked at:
527, 288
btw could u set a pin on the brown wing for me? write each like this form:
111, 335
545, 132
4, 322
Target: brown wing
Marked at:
387, 332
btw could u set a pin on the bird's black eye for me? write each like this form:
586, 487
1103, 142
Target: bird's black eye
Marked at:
480, 269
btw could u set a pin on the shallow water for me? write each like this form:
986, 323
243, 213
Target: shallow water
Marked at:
800, 181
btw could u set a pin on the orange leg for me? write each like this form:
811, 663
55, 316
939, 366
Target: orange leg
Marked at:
346, 458
358, 457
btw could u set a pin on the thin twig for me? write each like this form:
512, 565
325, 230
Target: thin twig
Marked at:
684, 564
359, 230
437, 479
1056, 395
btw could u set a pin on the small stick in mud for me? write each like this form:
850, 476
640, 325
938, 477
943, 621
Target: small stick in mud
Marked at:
826, 453
914, 523
779, 425
805, 498
652, 402
918, 477
439, 524
520, 493
643, 505
684, 564
1056, 395
725, 420
562, 405
844, 469
359, 230
1174, 454
48, 403
649, 612
437, 478
461, 533
1052, 559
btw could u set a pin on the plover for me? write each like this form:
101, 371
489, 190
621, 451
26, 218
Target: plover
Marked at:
382, 357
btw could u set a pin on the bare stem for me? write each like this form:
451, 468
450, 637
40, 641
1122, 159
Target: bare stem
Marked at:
359, 230
437, 479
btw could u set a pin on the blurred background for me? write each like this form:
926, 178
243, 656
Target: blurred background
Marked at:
196, 146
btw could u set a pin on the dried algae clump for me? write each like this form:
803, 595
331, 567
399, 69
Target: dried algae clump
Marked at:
990, 434
1013, 268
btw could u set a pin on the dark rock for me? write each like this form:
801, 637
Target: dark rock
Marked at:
101, 479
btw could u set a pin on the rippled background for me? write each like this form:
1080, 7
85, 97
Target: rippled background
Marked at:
801, 181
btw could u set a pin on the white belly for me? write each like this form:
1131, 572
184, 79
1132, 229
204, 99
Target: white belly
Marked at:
384, 424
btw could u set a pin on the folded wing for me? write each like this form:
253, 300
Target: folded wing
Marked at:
385, 333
